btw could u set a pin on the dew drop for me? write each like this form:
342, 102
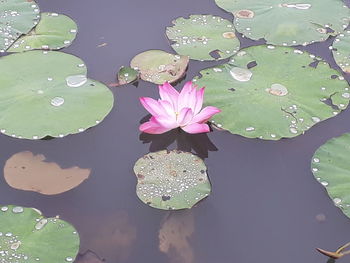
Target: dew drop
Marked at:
241, 74
324, 183
337, 201
76, 80
278, 90
57, 101
41, 224
315, 119
17, 209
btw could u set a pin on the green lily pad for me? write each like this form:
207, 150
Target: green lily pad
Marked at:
203, 37
54, 31
51, 96
17, 17
271, 92
127, 75
28, 237
288, 23
171, 180
341, 51
331, 167
158, 66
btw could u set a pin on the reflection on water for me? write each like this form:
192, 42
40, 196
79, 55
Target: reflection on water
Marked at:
113, 235
26, 171
88, 257
174, 235
199, 143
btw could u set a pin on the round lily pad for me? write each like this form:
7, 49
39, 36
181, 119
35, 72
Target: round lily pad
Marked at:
203, 37
288, 23
158, 66
341, 51
273, 92
171, 180
54, 31
17, 17
331, 167
127, 75
28, 237
51, 96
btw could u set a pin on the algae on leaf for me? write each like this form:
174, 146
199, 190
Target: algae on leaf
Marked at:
331, 167
203, 37
158, 66
51, 96
288, 23
171, 180
17, 17
270, 92
54, 31
28, 237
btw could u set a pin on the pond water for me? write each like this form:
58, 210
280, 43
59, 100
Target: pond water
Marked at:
266, 205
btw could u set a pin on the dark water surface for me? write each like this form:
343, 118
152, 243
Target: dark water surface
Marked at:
265, 200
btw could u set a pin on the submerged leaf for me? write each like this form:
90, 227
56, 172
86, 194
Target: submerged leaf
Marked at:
50, 97
171, 180
29, 237
288, 23
174, 235
203, 37
341, 51
158, 66
17, 17
331, 168
29, 172
54, 31
271, 92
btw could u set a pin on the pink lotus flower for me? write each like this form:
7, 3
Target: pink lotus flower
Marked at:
176, 109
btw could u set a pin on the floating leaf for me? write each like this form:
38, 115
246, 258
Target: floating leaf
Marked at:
331, 167
28, 237
341, 51
29, 172
271, 92
283, 23
50, 97
203, 37
158, 66
127, 75
17, 17
54, 31
171, 179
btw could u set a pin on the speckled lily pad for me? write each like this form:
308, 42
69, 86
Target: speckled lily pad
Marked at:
331, 167
28, 237
288, 22
341, 51
17, 17
54, 31
203, 37
50, 97
158, 66
171, 180
271, 92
